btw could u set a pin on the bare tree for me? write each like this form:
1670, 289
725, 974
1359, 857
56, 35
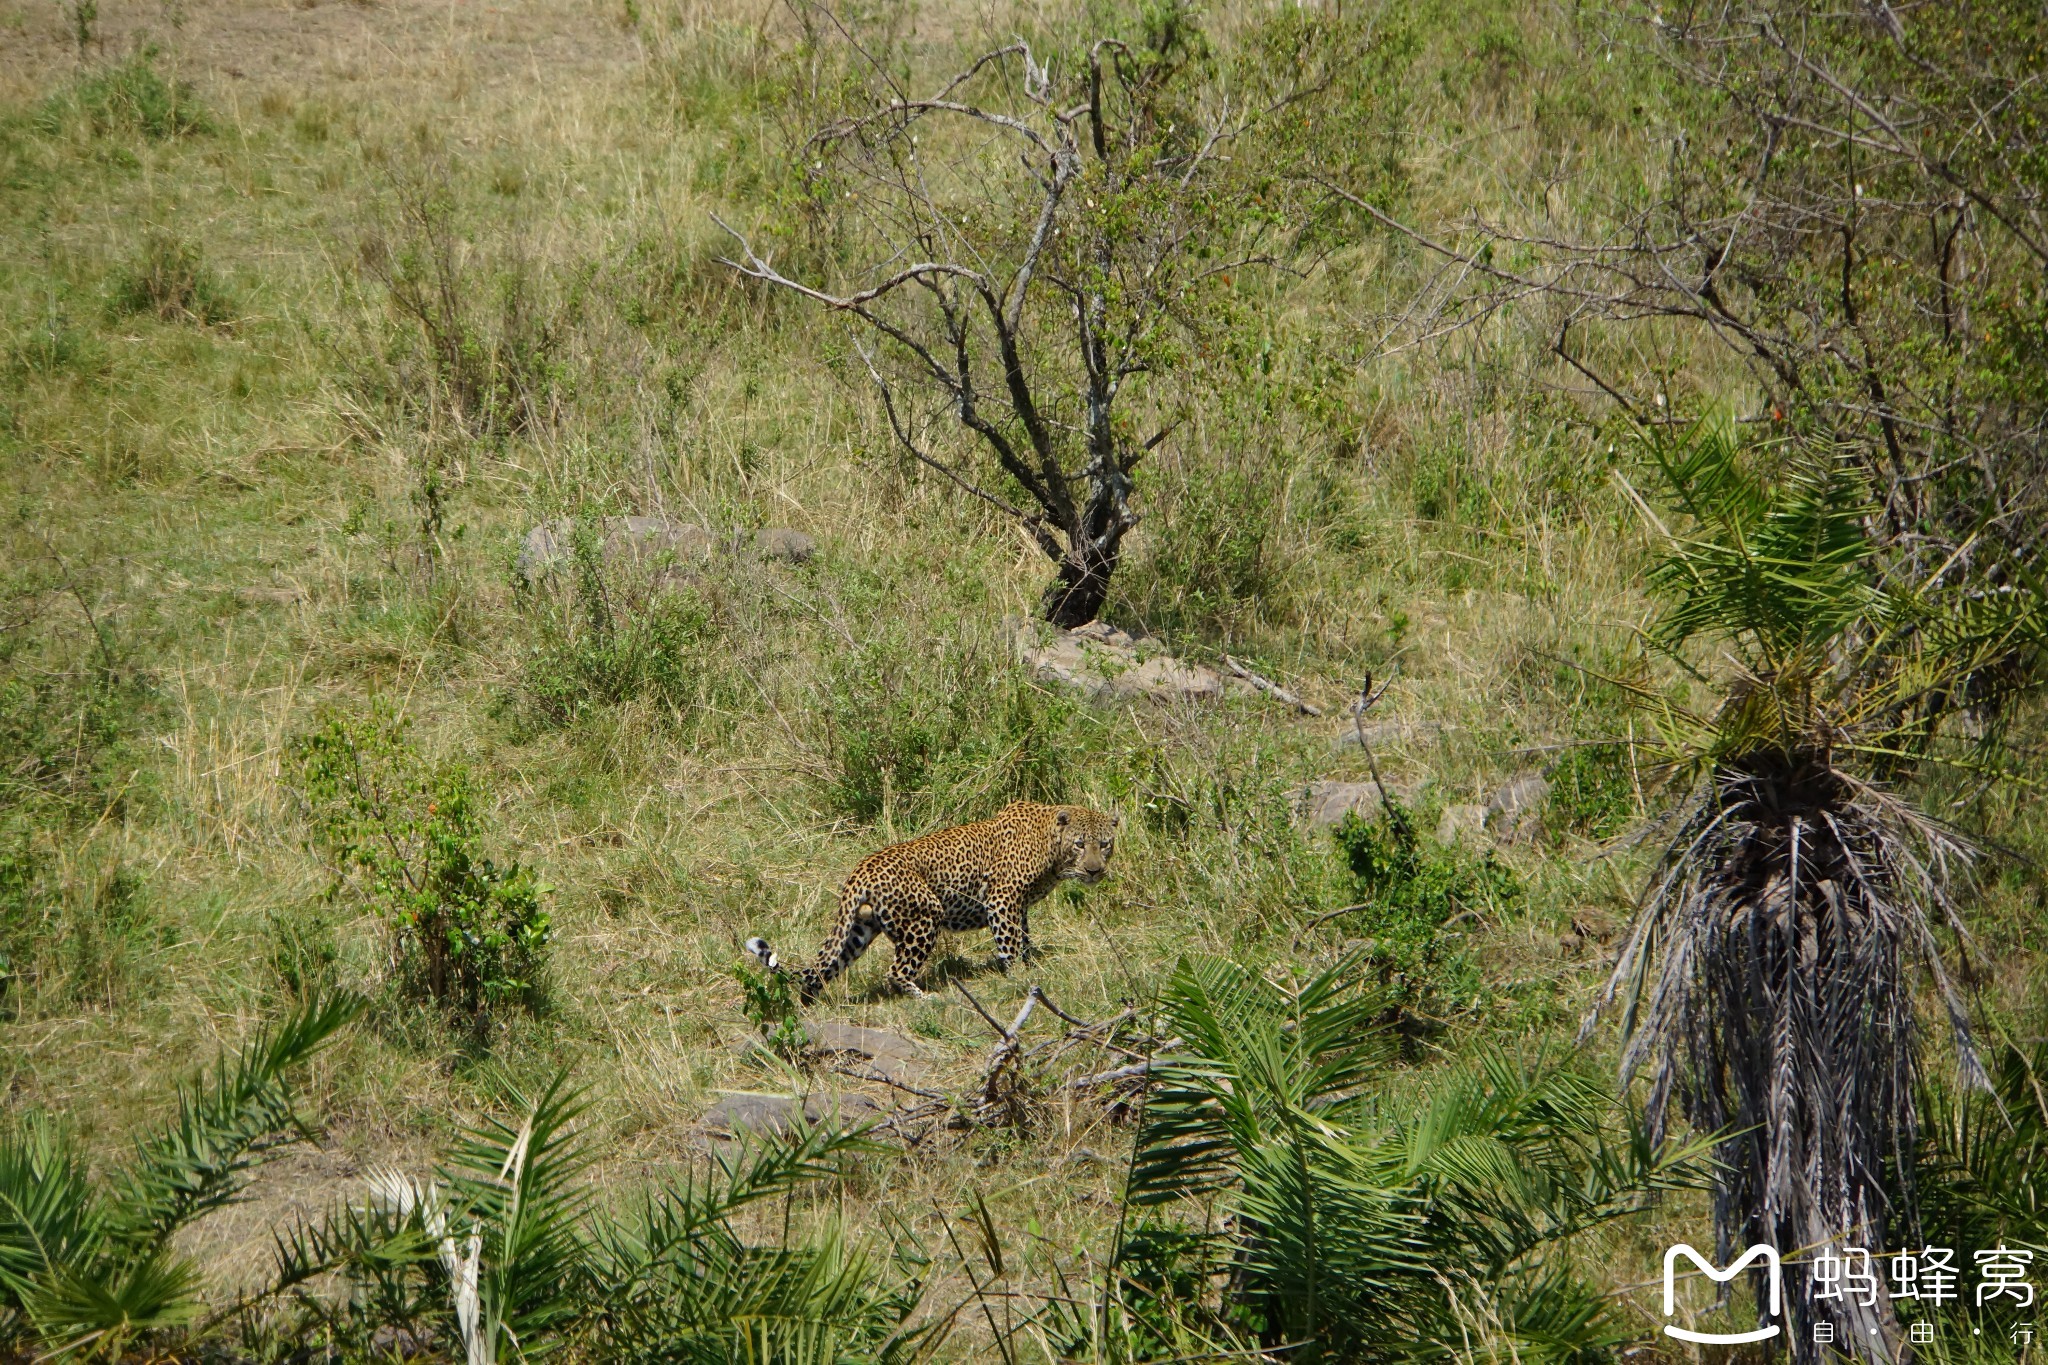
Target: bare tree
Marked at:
1039, 236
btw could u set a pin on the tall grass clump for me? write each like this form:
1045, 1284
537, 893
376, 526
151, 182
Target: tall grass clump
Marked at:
937, 731
128, 97
170, 280
607, 637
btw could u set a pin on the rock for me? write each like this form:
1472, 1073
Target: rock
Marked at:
1461, 823
1515, 812
735, 1115
1103, 633
779, 542
887, 1053
549, 546
1389, 734
1108, 665
389, 1342
1327, 803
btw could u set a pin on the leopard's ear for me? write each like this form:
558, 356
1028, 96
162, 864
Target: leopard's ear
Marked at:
1061, 818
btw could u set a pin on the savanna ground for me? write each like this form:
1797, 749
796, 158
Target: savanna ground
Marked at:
234, 508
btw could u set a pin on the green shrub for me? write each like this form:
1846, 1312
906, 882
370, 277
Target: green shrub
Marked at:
169, 279
132, 97
480, 340
770, 1005
1411, 892
407, 837
1592, 791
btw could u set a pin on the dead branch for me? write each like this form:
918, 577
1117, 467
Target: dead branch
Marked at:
1270, 688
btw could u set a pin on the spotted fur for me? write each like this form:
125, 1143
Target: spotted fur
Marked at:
985, 875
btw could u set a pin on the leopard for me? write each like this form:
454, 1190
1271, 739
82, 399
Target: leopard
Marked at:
987, 874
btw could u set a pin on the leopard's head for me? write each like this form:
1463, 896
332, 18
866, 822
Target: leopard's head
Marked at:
1083, 839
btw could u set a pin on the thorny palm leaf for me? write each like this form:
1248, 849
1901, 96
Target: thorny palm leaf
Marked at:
1368, 1230
86, 1268
678, 1283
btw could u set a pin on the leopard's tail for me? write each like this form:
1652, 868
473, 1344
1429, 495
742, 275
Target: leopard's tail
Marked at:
856, 929
806, 979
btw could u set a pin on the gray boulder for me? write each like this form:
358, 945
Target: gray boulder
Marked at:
1327, 803
779, 542
1515, 812
887, 1054
1391, 733
1461, 824
737, 1115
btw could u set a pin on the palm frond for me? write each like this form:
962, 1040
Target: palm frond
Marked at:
50, 1216
1778, 566
516, 1216
1350, 1223
224, 1120
99, 1309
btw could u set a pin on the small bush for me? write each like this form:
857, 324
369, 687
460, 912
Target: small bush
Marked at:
770, 1005
482, 344
133, 97
1592, 792
1411, 891
407, 836
170, 280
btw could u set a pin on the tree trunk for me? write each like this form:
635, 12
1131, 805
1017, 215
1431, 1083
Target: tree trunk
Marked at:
1075, 597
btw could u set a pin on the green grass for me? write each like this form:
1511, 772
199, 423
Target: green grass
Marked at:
240, 490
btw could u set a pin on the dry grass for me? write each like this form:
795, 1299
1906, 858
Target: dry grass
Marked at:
246, 505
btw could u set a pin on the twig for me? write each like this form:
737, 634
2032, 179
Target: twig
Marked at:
1270, 688
1122, 1073
870, 1074
977, 1007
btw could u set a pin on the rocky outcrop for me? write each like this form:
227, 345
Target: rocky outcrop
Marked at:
1515, 813
870, 1049
738, 1115
1108, 666
1391, 733
1327, 803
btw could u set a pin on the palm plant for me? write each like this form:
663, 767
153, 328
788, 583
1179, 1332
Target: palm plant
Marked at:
1767, 982
1357, 1227
87, 1266
505, 1255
